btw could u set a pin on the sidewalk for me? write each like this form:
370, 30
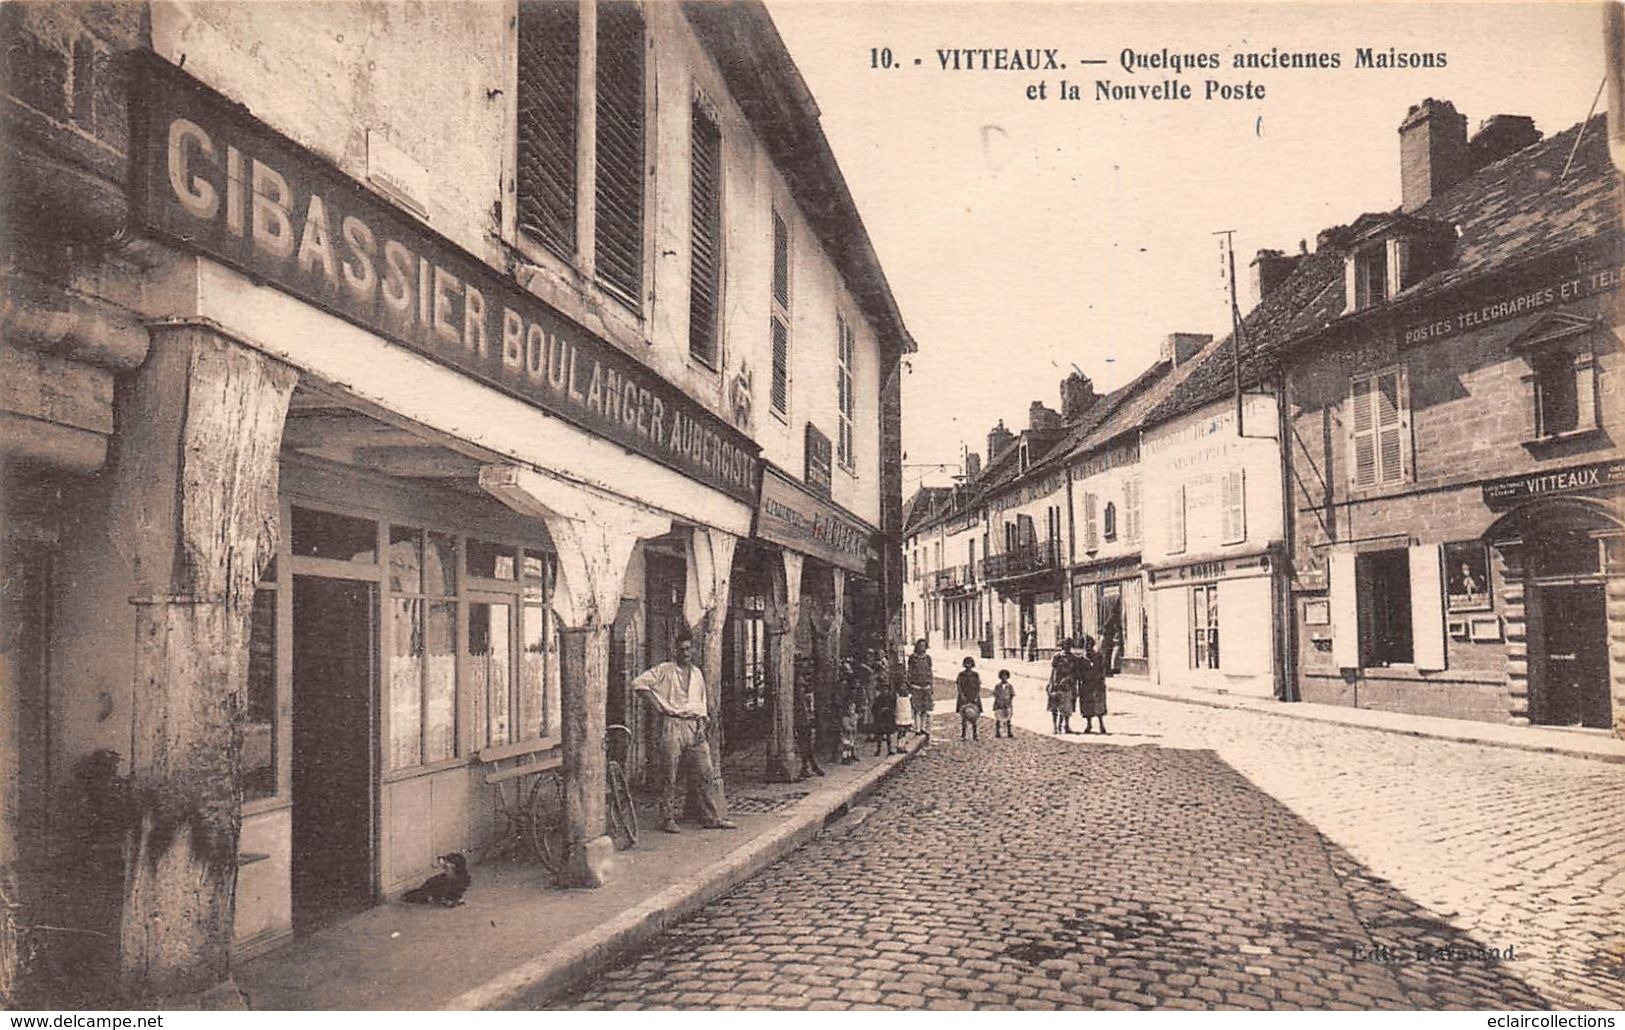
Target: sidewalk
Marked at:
518, 937
1597, 745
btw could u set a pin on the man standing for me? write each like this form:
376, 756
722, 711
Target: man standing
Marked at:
677, 691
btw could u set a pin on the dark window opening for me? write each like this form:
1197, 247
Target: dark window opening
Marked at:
1383, 585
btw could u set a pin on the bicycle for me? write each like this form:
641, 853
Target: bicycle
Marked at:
536, 819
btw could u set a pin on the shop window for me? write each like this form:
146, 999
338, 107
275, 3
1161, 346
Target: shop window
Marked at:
323, 534
549, 38
1383, 582
705, 234
1108, 522
1379, 430
779, 392
490, 668
423, 658
618, 191
1234, 500
750, 657
1205, 626
259, 724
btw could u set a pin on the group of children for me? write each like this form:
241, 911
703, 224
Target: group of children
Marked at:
895, 710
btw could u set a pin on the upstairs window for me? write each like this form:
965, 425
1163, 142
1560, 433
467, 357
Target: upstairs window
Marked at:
1131, 511
1176, 520
618, 226
549, 37
1562, 381
1234, 501
780, 390
1108, 521
1091, 536
1367, 276
844, 347
1379, 430
705, 234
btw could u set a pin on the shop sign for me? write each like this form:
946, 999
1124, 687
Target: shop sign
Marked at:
219, 181
1520, 300
1504, 493
818, 461
1218, 568
793, 517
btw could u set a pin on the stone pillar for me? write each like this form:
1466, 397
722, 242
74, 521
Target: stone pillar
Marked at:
830, 623
783, 613
594, 537
195, 488
705, 609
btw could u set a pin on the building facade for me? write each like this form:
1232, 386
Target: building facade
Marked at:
367, 432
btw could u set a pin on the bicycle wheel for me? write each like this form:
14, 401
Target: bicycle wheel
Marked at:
546, 822
623, 814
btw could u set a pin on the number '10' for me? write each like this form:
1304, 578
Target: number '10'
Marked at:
880, 57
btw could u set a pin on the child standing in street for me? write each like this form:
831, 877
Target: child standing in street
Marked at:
849, 731
1004, 698
969, 700
903, 712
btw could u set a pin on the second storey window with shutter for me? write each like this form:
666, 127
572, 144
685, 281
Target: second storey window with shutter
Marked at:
618, 226
705, 220
1379, 430
549, 35
1235, 507
1131, 511
1176, 520
1091, 535
780, 389
844, 347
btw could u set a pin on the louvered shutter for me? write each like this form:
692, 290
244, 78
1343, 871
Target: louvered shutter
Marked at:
1131, 510
1391, 421
1235, 507
781, 261
619, 189
549, 36
1176, 519
1363, 434
1345, 610
705, 220
781, 366
1091, 533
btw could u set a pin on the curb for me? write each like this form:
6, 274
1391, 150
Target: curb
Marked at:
561, 967
1456, 738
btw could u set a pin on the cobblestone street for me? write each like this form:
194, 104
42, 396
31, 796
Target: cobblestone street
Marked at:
1195, 858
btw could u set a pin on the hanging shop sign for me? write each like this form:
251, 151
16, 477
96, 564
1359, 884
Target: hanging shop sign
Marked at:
1513, 490
1515, 301
818, 461
792, 516
1218, 568
217, 180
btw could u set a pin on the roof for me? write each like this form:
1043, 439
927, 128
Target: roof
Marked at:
1519, 209
763, 78
917, 510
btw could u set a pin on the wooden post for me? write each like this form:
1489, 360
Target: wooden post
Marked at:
783, 614
195, 484
594, 536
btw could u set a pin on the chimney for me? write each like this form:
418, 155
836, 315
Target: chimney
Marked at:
1270, 269
1077, 393
1501, 135
1181, 347
973, 466
1433, 153
1041, 419
998, 440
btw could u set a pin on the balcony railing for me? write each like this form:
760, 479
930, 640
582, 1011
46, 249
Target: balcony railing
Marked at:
953, 578
1042, 557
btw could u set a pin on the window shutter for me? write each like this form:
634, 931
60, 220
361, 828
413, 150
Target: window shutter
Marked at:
1345, 610
1176, 519
705, 220
1362, 435
1585, 392
1131, 510
781, 261
1091, 535
619, 189
781, 366
1427, 608
1391, 421
1235, 507
549, 35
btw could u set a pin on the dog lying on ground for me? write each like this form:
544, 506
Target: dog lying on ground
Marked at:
445, 888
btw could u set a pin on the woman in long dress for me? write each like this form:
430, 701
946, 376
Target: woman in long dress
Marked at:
1091, 671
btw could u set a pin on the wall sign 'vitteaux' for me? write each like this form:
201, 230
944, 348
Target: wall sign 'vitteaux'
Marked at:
1504, 493
218, 180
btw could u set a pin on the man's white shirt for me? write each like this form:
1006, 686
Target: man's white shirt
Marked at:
666, 680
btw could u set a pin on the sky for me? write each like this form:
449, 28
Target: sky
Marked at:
1025, 237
